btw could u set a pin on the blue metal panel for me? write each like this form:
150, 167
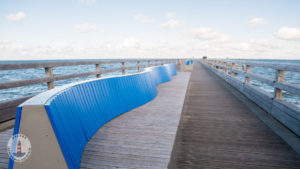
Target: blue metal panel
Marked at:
78, 111
187, 62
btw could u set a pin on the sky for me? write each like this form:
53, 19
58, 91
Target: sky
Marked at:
114, 29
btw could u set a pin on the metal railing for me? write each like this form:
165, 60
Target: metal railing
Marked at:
285, 112
8, 108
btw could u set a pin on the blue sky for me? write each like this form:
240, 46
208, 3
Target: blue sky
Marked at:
82, 29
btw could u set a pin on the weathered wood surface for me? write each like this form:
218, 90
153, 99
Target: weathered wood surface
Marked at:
217, 131
278, 66
13, 66
8, 109
4, 136
143, 137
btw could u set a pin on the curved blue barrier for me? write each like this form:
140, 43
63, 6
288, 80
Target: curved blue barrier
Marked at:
77, 111
187, 62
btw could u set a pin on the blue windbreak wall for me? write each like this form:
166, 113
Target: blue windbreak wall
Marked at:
76, 113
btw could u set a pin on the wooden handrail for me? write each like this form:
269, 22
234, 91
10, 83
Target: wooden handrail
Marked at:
50, 78
277, 66
278, 84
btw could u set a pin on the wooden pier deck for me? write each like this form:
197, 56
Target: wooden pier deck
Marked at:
217, 131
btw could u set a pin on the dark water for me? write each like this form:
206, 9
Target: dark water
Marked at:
22, 74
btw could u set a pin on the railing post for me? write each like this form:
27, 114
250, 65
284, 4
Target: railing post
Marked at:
123, 68
279, 78
156, 62
149, 63
49, 74
233, 66
247, 70
217, 63
98, 69
225, 69
139, 65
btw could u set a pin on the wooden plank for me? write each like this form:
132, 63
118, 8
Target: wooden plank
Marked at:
287, 120
18, 83
289, 108
8, 108
260, 78
294, 89
277, 66
13, 66
4, 158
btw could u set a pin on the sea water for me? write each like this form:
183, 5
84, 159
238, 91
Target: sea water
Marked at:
23, 74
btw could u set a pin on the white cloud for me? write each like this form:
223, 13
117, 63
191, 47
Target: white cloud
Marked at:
88, 2
206, 34
134, 48
265, 43
172, 23
16, 17
288, 33
170, 15
242, 46
5, 43
256, 22
131, 43
143, 19
86, 28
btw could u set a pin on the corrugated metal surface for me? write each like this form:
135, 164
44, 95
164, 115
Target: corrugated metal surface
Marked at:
77, 112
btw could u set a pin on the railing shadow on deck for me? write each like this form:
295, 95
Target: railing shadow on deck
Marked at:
286, 113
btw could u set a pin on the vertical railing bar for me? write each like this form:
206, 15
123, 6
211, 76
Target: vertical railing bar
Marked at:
247, 70
49, 74
139, 65
225, 69
123, 68
279, 78
98, 69
233, 66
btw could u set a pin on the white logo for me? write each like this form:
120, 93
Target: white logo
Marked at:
19, 147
